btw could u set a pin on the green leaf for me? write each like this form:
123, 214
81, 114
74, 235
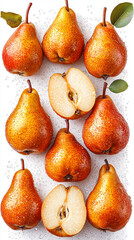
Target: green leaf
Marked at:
12, 19
118, 86
122, 14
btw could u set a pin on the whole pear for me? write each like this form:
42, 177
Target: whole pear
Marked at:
67, 160
22, 53
29, 128
105, 131
105, 53
108, 205
63, 42
21, 205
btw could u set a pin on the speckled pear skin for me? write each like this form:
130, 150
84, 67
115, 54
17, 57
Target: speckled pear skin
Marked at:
63, 42
67, 160
22, 53
105, 131
108, 205
21, 205
105, 53
29, 128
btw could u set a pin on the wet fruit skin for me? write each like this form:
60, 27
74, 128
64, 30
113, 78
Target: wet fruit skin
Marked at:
105, 131
21, 205
105, 53
108, 205
22, 53
67, 160
29, 128
63, 42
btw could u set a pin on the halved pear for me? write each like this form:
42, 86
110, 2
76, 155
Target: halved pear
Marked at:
71, 95
63, 211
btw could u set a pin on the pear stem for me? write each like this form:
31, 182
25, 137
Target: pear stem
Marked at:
104, 16
27, 12
30, 86
104, 89
67, 126
107, 165
22, 163
67, 6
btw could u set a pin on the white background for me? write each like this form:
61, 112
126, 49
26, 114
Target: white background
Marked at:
42, 13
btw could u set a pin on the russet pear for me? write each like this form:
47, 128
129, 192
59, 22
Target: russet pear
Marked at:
108, 205
63, 42
105, 130
67, 160
105, 53
22, 53
29, 128
21, 205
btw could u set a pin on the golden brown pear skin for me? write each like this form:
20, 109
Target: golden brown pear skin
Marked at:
22, 53
108, 205
105, 53
105, 131
21, 205
29, 128
67, 160
63, 42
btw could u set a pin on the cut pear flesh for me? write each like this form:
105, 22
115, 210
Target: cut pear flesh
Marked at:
64, 210
71, 94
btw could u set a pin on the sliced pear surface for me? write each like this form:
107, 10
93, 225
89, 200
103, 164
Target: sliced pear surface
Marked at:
51, 206
72, 94
77, 212
83, 87
58, 94
63, 211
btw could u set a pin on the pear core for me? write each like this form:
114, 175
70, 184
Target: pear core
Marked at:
72, 94
63, 211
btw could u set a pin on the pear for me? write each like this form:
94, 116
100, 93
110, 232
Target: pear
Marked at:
105, 53
105, 131
63, 42
22, 53
21, 205
71, 94
29, 128
108, 205
63, 211
67, 160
